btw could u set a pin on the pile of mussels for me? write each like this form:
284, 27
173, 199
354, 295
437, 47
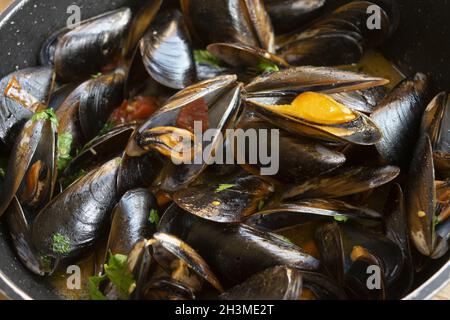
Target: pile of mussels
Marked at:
363, 180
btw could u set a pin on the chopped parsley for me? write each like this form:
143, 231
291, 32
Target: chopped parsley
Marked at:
47, 114
65, 141
95, 76
94, 287
224, 186
267, 66
436, 221
106, 128
261, 204
116, 271
204, 56
341, 218
153, 217
61, 243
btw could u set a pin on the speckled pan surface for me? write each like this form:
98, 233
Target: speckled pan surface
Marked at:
421, 43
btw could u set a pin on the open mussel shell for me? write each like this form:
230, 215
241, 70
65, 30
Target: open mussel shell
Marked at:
421, 198
287, 15
277, 283
85, 111
284, 215
299, 159
241, 55
239, 198
72, 222
436, 121
321, 50
130, 221
93, 45
343, 182
231, 21
296, 80
340, 245
20, 235
336, 39
396, 225
168, 34
187, 254
398, 117
201, 95
214, 104
361, 130
31, 172
21, 92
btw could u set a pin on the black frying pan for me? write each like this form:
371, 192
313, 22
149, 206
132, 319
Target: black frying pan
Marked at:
421, 44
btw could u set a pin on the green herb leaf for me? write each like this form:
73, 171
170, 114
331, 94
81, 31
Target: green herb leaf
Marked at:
261, 204
153, 217
267, 66
341, 218
47, 114
436, 221
204, 56
64, 147
106, 128
94, 287
117, 272
224, 186
95, 76
61, 243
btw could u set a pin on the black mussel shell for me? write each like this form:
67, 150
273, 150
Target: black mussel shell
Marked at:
73, 221
167, 35
228, 201
398, 116
31, 171
343, 182
130, 221
288, 15
90, 47
21, 92
277, 283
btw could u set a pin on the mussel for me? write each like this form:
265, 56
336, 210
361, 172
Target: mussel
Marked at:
288, 15
173, 130
234, 21
21, 93
31, 172
428, 228
398, 117
169, 34
338, 39
131, 221
72, 222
